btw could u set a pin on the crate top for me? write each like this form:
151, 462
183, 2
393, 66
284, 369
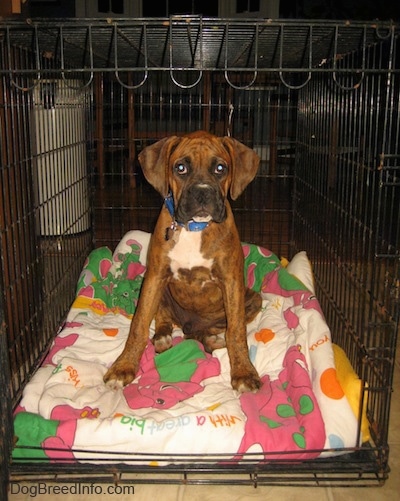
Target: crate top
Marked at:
197, 44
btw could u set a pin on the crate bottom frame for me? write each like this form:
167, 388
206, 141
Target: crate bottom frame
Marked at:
365, 467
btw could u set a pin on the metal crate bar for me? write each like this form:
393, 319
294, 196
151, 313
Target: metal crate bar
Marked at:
195, 44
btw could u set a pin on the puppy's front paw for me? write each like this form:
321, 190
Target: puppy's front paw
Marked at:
119, 374
247, 382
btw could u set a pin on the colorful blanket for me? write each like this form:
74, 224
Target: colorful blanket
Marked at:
181, 401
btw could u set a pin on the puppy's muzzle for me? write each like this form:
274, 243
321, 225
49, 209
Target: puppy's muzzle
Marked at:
201, 201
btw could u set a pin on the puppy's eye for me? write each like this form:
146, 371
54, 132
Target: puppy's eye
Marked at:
181, 169
220, 169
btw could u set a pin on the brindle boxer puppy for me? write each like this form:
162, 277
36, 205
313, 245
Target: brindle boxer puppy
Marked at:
194, 275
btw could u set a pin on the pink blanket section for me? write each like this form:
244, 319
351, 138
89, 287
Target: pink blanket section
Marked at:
284, 415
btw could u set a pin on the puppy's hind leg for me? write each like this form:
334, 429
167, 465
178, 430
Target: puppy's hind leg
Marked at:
253, 305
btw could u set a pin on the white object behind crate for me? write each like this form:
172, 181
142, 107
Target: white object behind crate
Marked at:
59, 147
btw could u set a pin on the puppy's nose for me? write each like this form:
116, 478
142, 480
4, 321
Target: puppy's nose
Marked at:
203, 192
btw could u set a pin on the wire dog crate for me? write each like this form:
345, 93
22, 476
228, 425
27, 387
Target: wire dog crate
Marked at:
319, 102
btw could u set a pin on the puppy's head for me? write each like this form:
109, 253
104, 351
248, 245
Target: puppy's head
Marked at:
200, 169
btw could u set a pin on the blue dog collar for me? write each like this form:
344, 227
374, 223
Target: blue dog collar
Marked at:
190, 225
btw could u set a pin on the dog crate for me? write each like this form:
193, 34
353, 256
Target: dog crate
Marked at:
319, 103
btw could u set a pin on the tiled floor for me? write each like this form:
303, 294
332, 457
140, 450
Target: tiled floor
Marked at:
390, 490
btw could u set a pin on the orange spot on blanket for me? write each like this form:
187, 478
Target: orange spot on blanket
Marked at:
330, 385
265, 335
110, 332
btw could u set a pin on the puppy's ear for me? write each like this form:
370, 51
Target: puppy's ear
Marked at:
154, 162
245, 163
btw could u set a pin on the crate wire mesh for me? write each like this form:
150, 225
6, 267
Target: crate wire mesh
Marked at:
352, 190
318, 101
158, 109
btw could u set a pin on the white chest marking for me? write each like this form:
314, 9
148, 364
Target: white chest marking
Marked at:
186, 252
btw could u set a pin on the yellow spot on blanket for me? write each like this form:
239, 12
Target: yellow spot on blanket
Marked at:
214, 406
